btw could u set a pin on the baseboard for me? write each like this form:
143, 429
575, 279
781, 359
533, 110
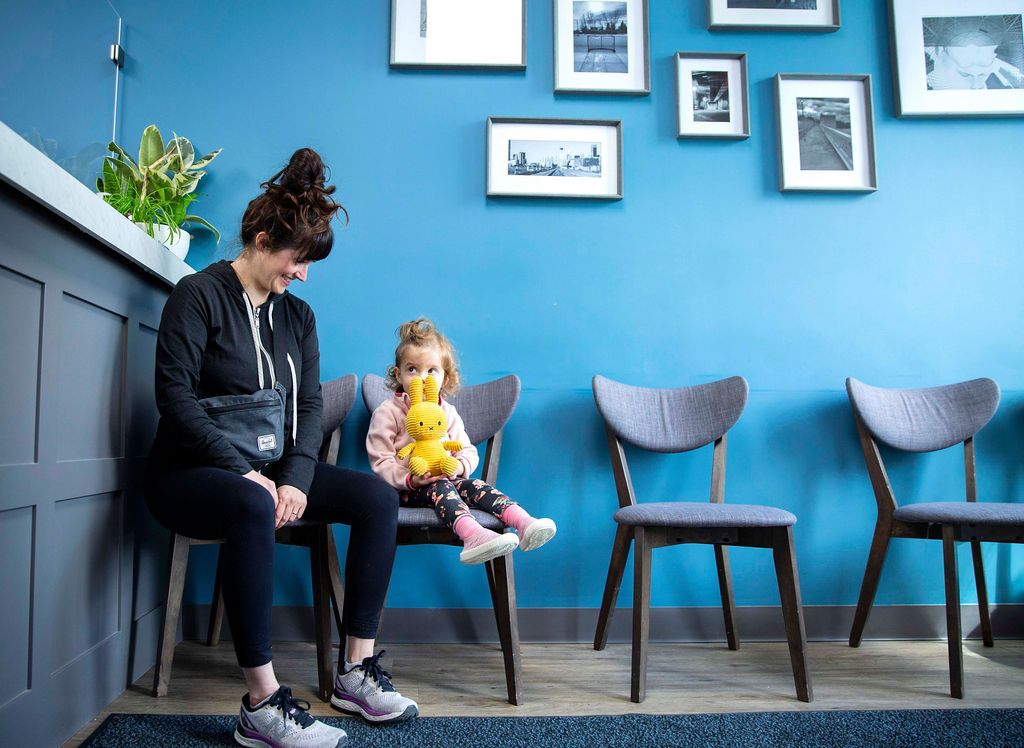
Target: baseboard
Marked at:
575, 625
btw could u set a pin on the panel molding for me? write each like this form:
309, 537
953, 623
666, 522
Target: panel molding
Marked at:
679, 624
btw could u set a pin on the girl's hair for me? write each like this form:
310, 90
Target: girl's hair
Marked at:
421, 333
295, 210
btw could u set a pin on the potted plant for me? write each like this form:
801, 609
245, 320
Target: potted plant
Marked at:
157, 190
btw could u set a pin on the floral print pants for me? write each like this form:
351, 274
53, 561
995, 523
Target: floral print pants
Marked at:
452, 498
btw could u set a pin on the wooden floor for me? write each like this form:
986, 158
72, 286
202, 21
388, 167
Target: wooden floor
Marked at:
566, 679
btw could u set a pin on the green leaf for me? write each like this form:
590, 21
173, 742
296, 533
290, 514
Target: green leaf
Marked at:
122, 156
186, 182
160, 181
151, 148
126, 172
182, 152
110, 181
200, 163
201, 222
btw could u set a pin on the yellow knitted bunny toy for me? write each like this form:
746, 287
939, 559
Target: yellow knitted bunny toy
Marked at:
427, 424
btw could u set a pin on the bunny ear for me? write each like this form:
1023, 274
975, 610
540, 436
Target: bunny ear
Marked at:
416, 391
432, 393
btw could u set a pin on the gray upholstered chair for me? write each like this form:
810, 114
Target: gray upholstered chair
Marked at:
679, 420
926, 420
485, 408
338, 396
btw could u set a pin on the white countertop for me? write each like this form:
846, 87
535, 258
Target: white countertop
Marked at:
31, 172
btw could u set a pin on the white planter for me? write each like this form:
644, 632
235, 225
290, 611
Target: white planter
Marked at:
162, 234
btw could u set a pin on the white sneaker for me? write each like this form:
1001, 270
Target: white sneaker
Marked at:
537, 533
366, 690
485, 545
283, 722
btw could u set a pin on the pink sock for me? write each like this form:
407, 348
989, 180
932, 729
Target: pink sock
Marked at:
517, 517
465, 526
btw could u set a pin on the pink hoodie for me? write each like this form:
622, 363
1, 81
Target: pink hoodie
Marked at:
387, 436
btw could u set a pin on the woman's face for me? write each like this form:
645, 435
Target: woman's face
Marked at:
279, 269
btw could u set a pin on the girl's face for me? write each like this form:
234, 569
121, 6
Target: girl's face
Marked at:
420, 361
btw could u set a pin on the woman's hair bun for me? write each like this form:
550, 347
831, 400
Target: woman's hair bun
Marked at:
296, 208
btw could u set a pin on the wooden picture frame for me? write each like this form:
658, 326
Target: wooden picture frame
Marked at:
951, 59
826, 133
458, 34
601, 46
712, 99
563, 158
788, 15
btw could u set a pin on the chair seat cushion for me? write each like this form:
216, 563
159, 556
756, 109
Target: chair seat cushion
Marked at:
703, 514
980, 513
418, 517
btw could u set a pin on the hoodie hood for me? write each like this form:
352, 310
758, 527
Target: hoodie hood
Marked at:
226, 275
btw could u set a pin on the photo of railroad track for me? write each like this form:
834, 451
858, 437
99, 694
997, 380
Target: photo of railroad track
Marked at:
554, 158
825, 137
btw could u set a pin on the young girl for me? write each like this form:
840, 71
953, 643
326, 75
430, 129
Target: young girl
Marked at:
423, 351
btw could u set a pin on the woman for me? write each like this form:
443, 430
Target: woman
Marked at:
233, 329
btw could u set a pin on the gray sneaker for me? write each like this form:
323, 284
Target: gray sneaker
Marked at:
366, 690
283, 722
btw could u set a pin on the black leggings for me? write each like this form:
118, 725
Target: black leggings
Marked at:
452, 498
210, 503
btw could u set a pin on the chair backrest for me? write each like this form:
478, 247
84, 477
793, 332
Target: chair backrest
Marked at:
338, 395
924, 420
678, 419
485, 409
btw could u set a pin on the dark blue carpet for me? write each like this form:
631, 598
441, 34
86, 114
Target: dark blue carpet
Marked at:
916, 728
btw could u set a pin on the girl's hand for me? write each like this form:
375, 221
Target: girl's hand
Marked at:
291, 505
264, 481
419, 481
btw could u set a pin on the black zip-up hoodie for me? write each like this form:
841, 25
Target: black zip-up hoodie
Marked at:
206, 347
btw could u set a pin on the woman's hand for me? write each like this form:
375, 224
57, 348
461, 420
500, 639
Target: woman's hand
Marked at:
291, 505
419, 481
264, 481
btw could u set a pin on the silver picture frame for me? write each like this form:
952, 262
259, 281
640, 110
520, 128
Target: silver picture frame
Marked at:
777, 15
951, 59
826, 133
601, 47
554, 158
712, 99
444, 34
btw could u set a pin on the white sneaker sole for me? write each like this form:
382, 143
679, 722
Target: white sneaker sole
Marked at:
352, 707
500, 546
261, 743
537, 534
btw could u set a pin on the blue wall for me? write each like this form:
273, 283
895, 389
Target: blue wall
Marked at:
703, 270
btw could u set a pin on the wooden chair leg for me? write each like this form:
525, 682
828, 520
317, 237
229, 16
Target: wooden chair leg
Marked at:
641, 614
337, 587
792, 610
953, 633
321, 609
868, 588
508, 630
178, 563
728, 601
979, 582
216, 607
616, 567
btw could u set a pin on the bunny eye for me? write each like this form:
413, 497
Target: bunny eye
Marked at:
421, 423
438, 423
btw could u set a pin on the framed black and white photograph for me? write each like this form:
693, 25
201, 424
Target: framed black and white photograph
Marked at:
463, 34
795, 15
711, 95
530, 157
826, 133
957, 59
601, 46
